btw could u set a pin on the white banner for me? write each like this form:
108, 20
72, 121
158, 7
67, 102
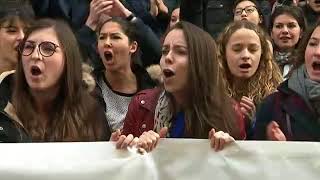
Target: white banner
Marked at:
173, 159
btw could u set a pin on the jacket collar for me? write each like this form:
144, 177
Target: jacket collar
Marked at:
296, 107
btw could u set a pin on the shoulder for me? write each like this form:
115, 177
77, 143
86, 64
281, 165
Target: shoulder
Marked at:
143, 77
147, 98
6, 85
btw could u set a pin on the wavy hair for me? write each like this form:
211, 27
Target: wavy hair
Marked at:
267, 77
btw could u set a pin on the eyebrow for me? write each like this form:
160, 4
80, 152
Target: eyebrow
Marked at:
113, 33
249, 45
176, 46
10, 26
291, 22
245, 7
314, 38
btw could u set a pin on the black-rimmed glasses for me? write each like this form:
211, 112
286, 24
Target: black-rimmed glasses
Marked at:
248, 10
45, 48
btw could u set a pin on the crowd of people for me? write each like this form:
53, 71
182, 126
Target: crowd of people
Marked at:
133, 72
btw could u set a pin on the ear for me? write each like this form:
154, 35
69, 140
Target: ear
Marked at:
261, 19
301, 33
133, 47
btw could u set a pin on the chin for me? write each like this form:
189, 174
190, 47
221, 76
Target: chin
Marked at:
315, 78
36, 88
245, 76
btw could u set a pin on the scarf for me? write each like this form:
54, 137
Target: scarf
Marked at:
163, 112
282, 59
309, 90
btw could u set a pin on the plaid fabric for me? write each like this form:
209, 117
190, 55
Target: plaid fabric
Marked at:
288, 109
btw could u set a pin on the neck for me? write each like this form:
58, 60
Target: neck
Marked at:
285, 50
123, 80
240, 88
179, 100
44, 100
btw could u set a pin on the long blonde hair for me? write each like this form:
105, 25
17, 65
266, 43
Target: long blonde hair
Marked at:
267, 77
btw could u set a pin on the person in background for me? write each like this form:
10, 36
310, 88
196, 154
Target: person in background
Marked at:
248, 10
311, 11
214, 15
293, 112
120, 78
84, 17
175, 17
287, 27
193, 102
15, 17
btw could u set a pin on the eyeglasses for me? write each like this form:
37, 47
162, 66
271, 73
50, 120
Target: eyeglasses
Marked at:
248, 10
45, 48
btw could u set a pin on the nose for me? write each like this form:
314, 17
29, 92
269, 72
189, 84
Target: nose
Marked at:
317, 51
285, 30
36, 54
107, 42
245, 54
20, 36
168, 58
243, 13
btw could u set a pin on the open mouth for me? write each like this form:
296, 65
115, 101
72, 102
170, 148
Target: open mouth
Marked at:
35, 71
317, 2
245, 66
108, 56
316, 66
168, 73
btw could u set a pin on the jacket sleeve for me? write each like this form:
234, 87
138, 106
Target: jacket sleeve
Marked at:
87, 40
193, 11
101, 127
264, 116
130, 122
148, 42
240, 121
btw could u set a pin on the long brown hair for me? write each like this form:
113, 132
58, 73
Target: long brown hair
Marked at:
208, 105
69, 119
267, 77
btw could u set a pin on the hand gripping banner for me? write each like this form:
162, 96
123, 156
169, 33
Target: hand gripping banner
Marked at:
173, 159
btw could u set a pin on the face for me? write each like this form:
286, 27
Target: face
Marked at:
114, 47
174, 62
312, 56
314, 5
243, 53
285, 32
174, 17
43, 73
11, 35
246, 10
